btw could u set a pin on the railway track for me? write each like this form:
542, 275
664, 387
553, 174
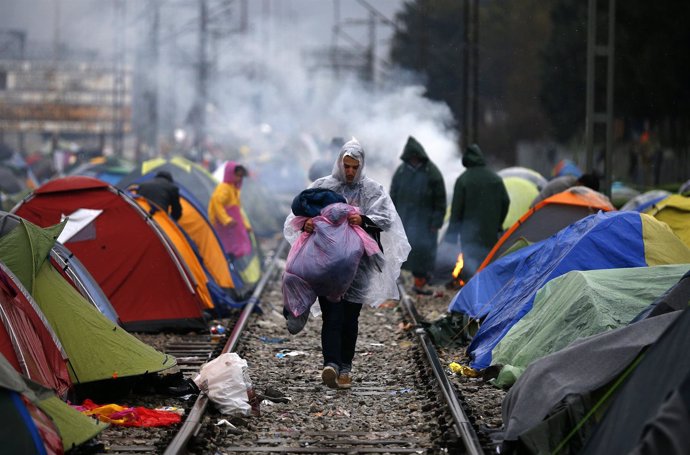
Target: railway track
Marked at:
401, 400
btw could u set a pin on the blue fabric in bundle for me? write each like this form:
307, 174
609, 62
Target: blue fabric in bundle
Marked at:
311, 201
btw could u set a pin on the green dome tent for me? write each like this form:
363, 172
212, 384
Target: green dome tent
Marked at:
674, 210
73, 427
521, 192
97, 348
577, 305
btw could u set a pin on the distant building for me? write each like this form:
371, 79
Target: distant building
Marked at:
66, 98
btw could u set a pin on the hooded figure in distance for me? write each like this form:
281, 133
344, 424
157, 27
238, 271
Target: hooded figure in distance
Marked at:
480, 204
419, 195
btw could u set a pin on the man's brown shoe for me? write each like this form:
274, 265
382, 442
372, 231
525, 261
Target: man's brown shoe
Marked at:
330, 377
344, 381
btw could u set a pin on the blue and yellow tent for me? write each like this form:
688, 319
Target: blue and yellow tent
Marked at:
673, 210
505, 290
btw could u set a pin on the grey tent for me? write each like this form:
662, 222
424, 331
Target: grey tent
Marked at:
555, 392
650, 413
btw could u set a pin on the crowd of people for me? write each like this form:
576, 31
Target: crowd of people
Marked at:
392, 228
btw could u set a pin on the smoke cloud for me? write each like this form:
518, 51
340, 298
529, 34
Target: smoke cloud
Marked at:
274, 98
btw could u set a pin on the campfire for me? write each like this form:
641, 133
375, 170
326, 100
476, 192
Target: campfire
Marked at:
457, 282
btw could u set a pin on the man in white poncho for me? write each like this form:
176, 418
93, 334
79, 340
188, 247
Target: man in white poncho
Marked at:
372, 285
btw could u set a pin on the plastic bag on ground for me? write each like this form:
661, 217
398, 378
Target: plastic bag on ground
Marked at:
226, 383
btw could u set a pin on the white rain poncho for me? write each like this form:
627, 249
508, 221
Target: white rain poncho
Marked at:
369, 286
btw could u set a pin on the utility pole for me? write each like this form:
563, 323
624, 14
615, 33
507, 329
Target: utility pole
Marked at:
56, 61
119, 77
370, 59
470, 69
152, 89
360, 58
335, 61
594, 116
202, 78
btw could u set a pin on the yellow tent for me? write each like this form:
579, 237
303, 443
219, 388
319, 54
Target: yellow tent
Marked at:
522, 192
200, 231
674, 211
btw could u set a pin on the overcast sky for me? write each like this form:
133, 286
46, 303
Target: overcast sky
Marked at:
90, 24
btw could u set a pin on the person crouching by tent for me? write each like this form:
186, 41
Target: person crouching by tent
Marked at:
225, 212
163, 193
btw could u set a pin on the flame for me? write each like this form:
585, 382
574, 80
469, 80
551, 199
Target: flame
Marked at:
459, 264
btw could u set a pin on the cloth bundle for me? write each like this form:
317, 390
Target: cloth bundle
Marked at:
325, 262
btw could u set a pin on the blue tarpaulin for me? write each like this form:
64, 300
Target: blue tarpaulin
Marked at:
505, 290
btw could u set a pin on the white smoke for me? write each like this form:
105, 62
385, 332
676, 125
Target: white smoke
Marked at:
281, 86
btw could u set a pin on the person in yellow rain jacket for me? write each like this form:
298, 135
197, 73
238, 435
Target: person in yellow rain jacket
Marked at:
225, 212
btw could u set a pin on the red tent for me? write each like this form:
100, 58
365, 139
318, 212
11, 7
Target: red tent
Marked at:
125, 251
26, 339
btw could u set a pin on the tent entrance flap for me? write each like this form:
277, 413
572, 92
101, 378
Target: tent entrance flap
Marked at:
76, 222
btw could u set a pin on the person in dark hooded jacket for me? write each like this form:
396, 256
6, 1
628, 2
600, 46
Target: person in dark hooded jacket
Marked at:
419, 195
480, 204
163, 193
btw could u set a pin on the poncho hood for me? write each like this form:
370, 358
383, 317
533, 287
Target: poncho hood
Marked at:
413, 148
353, 149
229, 174
473, 156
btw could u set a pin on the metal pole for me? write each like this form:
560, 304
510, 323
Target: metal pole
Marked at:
464, 140
153, 87
119, 78
371, 51
202, 77
609, 95
589, 100
475, 72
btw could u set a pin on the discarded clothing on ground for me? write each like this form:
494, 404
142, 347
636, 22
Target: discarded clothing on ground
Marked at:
128, 416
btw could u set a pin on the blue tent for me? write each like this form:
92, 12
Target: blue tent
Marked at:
505, 290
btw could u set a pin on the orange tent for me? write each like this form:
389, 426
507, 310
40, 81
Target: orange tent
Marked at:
548, 217
182, 249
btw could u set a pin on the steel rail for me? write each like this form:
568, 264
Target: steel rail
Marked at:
463, 427
192, 423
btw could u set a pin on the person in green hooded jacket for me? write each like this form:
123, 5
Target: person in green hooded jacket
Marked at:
419, 195
480, 204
